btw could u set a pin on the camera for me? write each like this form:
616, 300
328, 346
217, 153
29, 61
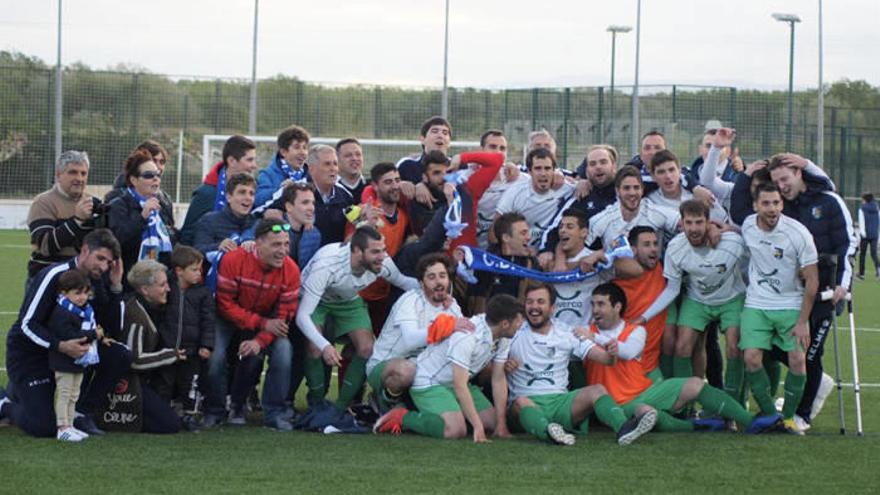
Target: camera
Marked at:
100, 212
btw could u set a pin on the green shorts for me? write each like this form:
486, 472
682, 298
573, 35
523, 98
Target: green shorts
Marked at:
696, 315
557, 409
347, 316
662, 396
439, 399
765, 328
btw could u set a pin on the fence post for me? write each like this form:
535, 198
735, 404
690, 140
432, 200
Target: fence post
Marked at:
534, 109
859, 188
841, 176
674, 104
832, 152
600, 104
217, 90
566, 112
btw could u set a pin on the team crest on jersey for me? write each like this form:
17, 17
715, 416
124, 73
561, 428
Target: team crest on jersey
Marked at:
816, 212
722, 268
778, 253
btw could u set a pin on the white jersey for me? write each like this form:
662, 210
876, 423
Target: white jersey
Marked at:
608, 224
488, 206
470, 350
712, 275
543, 359
538, 209
717, 212
411, 311
776, 258
574, 300
328, 275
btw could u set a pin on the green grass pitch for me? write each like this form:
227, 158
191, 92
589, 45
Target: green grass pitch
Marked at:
256, 460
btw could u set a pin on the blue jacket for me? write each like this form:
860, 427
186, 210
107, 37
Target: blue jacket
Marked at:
330, 215
826, 217
741, 195
303, 245
270, 178
411, 169
201, 203
219, 225
870, 219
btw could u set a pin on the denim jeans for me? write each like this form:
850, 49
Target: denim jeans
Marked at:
276, 385
215, 398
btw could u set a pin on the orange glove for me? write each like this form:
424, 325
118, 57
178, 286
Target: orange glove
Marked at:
442, 327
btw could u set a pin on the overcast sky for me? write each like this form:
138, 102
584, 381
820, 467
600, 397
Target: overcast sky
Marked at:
493, 43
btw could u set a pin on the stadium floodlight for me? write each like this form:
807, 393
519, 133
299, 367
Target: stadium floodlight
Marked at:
791, 19
614, 30
634, 128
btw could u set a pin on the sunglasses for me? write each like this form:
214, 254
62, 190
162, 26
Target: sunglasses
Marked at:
282, 227
149, 175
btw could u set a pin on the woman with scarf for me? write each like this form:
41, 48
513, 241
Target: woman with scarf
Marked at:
144, 229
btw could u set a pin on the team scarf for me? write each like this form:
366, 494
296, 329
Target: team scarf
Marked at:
214, 258
452, 222
476, 259
220, 195
155, 238
294, 175
87, 315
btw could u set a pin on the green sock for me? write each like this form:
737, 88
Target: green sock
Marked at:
430, 425
667, 423
314, 371
794, 390
533, 421
609, 412
355, 375
666, 365
682, 367
733, 379
760, 386
576, 377
717, 402
774, 372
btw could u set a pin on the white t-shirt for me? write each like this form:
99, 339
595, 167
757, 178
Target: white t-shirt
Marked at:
538, 209
488, 206
574, 301
609, 224
411, 311
712, 275
776, 258
543, 359
470, 350
328, 275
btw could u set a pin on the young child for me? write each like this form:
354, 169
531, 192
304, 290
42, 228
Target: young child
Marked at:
71, 318
189, 326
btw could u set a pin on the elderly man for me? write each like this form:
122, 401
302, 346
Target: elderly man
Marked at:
331, 200
60, 217
32, 386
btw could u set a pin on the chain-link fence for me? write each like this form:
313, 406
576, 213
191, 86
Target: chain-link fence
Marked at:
108, 113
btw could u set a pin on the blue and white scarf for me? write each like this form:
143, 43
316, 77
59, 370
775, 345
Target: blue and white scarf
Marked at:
220, 195
214, 258
452, 222
87, 315
477, 259
294, 175
155, 238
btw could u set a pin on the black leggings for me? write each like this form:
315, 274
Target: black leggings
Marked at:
863, 246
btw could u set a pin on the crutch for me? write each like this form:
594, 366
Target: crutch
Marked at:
855, 365
826, 295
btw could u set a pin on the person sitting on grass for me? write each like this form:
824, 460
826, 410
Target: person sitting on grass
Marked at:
626, 382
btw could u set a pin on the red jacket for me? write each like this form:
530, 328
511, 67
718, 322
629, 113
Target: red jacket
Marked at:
213, 174
475, 186
250, 292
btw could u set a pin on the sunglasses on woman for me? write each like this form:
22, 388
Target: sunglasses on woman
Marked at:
149, 175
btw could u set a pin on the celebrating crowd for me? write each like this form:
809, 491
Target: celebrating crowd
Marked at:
453, 295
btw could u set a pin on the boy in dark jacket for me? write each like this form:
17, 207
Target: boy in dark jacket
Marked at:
189, 327
71, 318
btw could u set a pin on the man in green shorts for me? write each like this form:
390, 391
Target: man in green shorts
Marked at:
541, 402
625, 381
783, 280
446, 401
715, 290
331, 282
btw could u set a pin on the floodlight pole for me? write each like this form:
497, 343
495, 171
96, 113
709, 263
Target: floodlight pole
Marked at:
634, 137
613, 30
444, 97
58, 93
791, 19
252, 115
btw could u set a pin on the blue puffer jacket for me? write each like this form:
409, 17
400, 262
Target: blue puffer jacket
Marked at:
219, 225
826, 217
270, 179
303, 245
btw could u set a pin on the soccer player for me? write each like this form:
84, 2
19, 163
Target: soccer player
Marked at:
331, 282
715, 292
512, 232
391, 368
630, 211
435, 135
445, 399
783, 280
494, 141
666, 172
541, 401
625, 381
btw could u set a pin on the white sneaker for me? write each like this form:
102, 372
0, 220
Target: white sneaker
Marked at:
826, 385
559, 435
69, 435
801, 423
79, 432
779, 403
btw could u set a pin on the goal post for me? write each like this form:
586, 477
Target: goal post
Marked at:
375, 150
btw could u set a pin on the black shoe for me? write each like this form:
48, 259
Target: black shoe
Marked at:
636, 426
84, 422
